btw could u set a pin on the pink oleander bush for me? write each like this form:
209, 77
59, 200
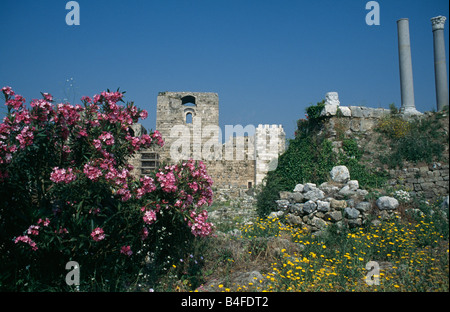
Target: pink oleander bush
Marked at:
67, 194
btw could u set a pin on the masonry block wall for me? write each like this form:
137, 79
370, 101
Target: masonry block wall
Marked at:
270, 142
189, 125
186, 110
427, 179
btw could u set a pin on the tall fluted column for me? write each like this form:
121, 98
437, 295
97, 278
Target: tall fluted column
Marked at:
440, 67
406, 73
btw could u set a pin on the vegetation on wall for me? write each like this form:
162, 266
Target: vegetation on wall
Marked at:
310, 157
418, 140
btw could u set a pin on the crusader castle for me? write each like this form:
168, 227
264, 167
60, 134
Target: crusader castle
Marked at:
189, 125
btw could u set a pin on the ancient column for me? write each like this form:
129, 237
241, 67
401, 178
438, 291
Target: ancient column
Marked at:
406, 74
440, 67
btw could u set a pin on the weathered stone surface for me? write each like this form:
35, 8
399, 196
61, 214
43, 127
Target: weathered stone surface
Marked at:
375, 222
314, 195
275, 214
318, 223
351, 213
309, 187
340, 174
323, 206
296, 197
364, 206
329, 110
354, 222
332, 98
361, 193
338, 204
445, 203
282, 203
299, 188
296, 209
331, 104
387, 203
353, 185
346, 112
309, 207
293, 219
243, 278
346, 191
333, 216
328, 188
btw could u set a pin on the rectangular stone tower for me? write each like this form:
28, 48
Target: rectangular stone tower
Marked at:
186, 121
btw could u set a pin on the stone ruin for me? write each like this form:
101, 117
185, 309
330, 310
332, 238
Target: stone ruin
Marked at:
339, 201
189, 125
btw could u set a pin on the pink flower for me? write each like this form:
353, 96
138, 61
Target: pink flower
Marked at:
96, 98
146, 140
143, 114
98, 234
62, 175
7, 90
97, 144
42, 104
25, 137
47, 96
144, 233
107, 138
148, 186
93, 173
25, 239
199, 226
82, 133
111, 97
68, 114
126, 250
167, 181
86, 99
45, 222
157, 136
149, 217
124, 192
33, 230
15, 102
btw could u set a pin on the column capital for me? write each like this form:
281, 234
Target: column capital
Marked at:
438, 22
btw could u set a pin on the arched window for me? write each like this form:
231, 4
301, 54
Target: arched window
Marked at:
189, 118
188, 100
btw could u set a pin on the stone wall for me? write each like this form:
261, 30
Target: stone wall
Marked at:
430, 180
359, 123
239, 164
232, 174
174, 109
339, 201
270, 141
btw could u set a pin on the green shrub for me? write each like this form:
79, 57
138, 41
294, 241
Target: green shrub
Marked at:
418, 140
352, 158
306, 160
67, 194
309, 158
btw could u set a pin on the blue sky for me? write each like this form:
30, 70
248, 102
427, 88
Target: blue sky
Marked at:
267, 59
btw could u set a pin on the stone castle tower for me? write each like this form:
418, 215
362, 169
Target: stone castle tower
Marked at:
189, 125
181, 118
